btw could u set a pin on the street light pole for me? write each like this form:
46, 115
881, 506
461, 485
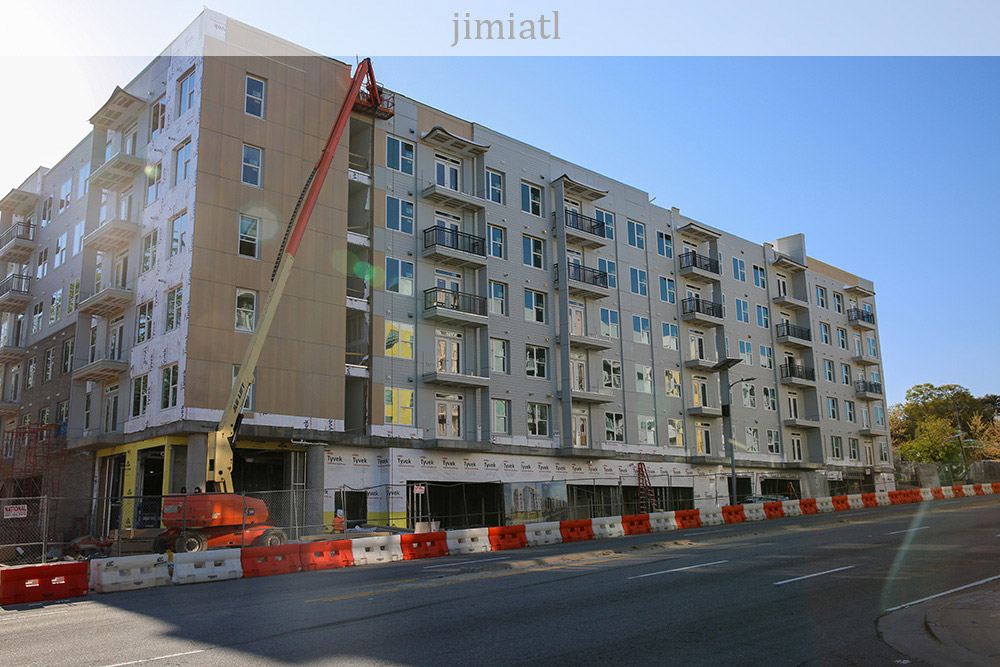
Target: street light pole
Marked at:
732, 440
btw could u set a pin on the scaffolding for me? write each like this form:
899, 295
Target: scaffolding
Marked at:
31, 456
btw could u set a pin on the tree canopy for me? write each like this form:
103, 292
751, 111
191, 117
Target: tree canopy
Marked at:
925, 427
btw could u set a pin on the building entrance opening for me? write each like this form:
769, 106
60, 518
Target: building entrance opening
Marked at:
454, 505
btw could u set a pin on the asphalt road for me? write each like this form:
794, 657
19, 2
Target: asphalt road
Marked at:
802, 591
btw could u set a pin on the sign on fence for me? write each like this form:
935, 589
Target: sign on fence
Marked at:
15, 512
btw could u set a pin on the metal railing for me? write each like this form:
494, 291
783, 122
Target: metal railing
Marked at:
15, 283
793, 330
358, 163
691, 259
586, 274
698, 305
439, 297
856, 314
585, 223
19, 230
454, 239
798, 371
868, 387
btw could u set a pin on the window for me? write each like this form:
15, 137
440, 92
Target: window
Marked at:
841, 338
836, 447
647, 430
398, 215
746, 351
144, 322
838, 302
849, 411
763, 319
185, 93
535, 361
821, 296
65, 195
398, 276
48, 364
766, 356
73, 297
770, 398
845, 373
609, 222
610, 268
773, 441
759, 277
254, 102
538, 419
664, 244
78, 232
831, 407
670, 336
673, 383
154, 179
168, 387
668, 291
55, 305
253, 161
609, 323
182, 162
879, 415
638, 281
614, 426
828, 370
494, 186
640, 329
872, 349
636, 234
498, 298
46, 211
675, 432
449, 415
824, 333
67, 355
612, 374
59, 257
399, 406
739, 269
749, 395
753, 439
15, 383
42, 264
883, 451
29, 374
854, 449
62, 412
501, 415
36, 317
742, 311
175, 298
531, 199
499, 355
246, 309
533, 252
497, 240
249, 236
140, 388
157, 118
399, 155
149, 243
84, 185
534, 306
399, 340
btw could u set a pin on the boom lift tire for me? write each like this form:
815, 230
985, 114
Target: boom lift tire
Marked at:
191, 541
271, 538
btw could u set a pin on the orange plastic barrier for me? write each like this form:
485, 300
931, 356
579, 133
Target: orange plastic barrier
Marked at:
733, 514
937, 493
507, 537
326, 555
978, 488
808, 506
958, 491
840, 503
265, 561
996, 487
577, 530
424, 545
35, 583
636, 524
688, 518
897, 497
869, 500
774, 510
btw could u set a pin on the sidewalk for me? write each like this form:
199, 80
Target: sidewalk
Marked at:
960, 629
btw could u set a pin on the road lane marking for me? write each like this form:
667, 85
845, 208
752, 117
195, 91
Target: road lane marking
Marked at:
162, 657
810, 576
706, 532
948, 592
465, 562
908, 530
678, 569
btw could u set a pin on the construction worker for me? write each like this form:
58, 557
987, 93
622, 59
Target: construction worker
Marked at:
338, 522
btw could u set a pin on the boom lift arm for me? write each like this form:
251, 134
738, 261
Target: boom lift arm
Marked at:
221, 441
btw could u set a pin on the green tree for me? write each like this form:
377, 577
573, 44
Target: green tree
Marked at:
933, 442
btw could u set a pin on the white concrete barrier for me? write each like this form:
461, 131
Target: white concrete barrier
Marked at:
882, 498
969, 490
128, 573
791, 507
855, 502
711, 517
926, 494
947, 492
546, 532
607, 526
755, 512
381, 549
825, 504
471, 541
987, 489
661, 522
201, 566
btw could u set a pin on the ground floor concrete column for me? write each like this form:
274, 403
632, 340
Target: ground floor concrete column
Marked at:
315, 485
197, 462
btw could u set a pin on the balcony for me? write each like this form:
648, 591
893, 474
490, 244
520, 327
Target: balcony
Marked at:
698, 232
108, 301
865, 359
17, 243
793, 335
585, 281
101, 370
868, 390
118, 172
9, 408
861, 319
699, 268
786, 263
453, 307
584, 231
797, 375
14, 293
118, 111
578, 395
703, 365
801, 422
872, 430
445, 196
704, 411
701, 311
459, 380
111, 236
584, 342
789, 302
19, 202
450, 246
11, 354
359, 169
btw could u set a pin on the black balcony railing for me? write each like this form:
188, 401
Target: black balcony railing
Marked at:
15, 283
698, 305
439, 297
454, 239
692, 259
585, 274
798, 371
863, 386
856, 314
19, 230
793, 331
585, 223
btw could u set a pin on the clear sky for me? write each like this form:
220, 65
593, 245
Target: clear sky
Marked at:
872, 159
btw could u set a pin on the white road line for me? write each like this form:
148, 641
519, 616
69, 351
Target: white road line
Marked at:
937, 595
464, 562
162, 657
810, 576
706, 532
908, 530
678, 569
